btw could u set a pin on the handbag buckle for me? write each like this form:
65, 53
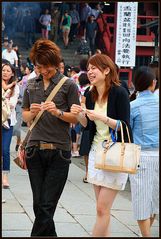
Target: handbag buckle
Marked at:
106, 144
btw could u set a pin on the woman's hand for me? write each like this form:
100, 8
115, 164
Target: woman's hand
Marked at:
79, 112
92, 115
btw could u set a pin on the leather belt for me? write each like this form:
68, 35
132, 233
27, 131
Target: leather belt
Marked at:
43, 146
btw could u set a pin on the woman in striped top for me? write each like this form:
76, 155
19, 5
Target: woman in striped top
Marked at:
144, 120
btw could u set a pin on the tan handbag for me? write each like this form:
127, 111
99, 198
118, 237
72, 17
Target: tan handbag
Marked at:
20, 160
118, 157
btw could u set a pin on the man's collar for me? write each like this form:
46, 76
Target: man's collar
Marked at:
55, 79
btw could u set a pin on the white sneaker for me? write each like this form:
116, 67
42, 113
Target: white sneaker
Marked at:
3, 200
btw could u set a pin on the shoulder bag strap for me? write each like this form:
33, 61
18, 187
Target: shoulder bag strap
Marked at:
49, 98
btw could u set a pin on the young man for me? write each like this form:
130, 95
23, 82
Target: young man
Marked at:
48, 150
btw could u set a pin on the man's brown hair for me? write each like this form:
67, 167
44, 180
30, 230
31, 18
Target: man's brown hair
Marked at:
46, 53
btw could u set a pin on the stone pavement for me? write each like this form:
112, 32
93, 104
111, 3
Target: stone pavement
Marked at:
75, 215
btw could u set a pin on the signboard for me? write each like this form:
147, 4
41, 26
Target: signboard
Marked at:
126, 34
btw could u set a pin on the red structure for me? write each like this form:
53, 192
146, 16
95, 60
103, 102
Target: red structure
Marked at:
145, 40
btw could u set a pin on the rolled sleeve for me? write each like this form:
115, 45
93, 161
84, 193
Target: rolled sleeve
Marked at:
26, 101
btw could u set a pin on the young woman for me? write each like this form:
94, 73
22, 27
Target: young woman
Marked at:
8, 77
145, 126
45, 20
22, 85
106, 103
65, 25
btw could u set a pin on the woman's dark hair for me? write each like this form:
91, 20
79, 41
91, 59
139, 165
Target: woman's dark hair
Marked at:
30, 67
83, 79
46, 53
62, 61
143, 78
155, 66
75, 69
4, 61
102, 62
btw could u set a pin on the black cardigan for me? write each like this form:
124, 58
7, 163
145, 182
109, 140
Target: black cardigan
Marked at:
118, 108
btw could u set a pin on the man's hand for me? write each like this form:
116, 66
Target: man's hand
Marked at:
76, 109
35, 109
50, 107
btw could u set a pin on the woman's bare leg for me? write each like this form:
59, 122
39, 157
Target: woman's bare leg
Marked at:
144, 226
152, 219
105, 198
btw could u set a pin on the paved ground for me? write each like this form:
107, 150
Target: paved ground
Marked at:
75, 215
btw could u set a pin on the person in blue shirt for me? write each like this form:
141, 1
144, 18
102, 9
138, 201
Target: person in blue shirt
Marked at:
90, 32
144, 120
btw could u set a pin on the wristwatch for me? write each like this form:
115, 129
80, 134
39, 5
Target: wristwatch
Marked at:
61, 113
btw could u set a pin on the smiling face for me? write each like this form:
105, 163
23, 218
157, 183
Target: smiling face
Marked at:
7, 73
95, 76
46, 71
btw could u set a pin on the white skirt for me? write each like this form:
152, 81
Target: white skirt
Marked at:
104, 178
145, 186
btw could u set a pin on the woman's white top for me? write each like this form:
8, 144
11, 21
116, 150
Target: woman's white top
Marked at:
13, 102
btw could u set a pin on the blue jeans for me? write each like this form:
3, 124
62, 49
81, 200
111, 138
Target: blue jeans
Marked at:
6, 142
48, 171
91, 42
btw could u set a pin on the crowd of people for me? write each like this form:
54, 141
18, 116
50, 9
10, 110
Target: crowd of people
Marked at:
84, 112
56, 23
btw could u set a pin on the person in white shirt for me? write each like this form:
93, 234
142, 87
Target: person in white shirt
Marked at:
10, 55
45, 20
96, 11
8, 76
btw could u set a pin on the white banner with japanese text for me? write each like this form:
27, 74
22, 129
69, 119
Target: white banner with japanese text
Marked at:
126, 34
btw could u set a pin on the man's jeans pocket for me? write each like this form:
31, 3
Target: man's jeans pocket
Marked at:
65, 155
30, 152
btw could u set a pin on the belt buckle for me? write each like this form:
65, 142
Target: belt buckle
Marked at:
44, 145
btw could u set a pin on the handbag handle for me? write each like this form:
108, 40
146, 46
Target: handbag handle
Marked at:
114, 135
122, 133
49, 98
